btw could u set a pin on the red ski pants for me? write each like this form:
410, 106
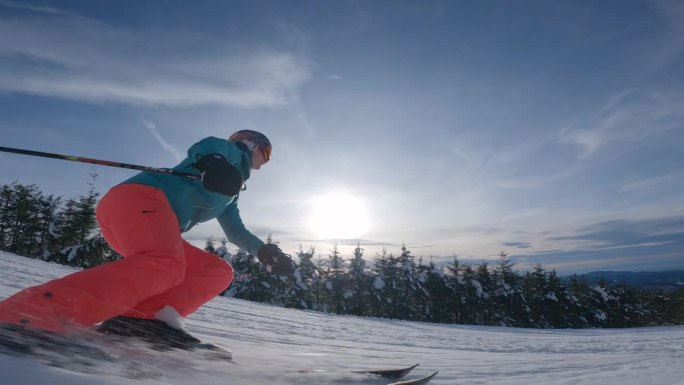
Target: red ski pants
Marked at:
159, 269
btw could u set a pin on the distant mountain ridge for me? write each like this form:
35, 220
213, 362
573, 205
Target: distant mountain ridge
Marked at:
669, 279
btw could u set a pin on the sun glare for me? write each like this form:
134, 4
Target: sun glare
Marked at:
338, 216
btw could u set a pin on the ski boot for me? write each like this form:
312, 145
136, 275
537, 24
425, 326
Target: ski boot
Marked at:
161, 336
158, 333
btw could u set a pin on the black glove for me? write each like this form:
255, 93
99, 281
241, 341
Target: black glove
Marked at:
276, 261
218, 175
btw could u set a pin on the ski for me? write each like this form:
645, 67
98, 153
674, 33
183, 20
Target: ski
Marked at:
419, 381
394, 374
158, 335
211, 351
70, 352
20, 340
391, 374
91, 352
398, 374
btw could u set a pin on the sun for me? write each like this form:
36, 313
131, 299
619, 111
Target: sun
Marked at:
338, 216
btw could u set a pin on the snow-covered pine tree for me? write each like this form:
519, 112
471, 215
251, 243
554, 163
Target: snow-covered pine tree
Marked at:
558, 301
21, 220
334, 282
359, 287
435, 307
506, 298
409, 289
662, 307
307, 278
676, 306
6, 195
549, 301
49, 208
473, 295
222, 251
250, 281
484, 286
580, 312
76, 233
534, 289
281, 289
382, 287
210, 245
604, 302
455, 296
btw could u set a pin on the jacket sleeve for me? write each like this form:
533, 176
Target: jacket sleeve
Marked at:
236, 232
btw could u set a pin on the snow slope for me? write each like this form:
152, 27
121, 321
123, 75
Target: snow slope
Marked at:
271, 345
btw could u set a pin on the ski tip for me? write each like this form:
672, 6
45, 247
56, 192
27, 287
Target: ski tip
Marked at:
418, 381
410, 368
393, 374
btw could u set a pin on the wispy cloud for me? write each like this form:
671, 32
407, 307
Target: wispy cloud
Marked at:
615, 35
620, 243
518, 245
588, 141
582, 263
538, 181
620, 232
628, 118
350, 242
578, 264
30, 7
87, 60
670, 47
152, 128
656, 182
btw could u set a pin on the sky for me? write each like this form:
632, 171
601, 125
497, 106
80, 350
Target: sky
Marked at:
552, 131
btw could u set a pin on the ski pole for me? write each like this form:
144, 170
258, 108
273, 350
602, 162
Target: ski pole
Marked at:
72, 158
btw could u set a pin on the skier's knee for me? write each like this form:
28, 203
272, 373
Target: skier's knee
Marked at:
173, 268
178, 271
226, 274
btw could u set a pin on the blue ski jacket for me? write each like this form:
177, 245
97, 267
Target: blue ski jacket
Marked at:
193, 204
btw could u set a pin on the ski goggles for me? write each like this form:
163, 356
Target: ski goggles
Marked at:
265, 151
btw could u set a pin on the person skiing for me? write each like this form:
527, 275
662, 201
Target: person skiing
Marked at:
161, 275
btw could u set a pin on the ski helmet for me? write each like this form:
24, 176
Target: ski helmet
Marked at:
253, 140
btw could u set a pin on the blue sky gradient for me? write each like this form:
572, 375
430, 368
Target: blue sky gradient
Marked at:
552, 130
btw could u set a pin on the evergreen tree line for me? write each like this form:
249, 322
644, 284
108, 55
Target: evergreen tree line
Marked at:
65, 231
406, 288
52, 228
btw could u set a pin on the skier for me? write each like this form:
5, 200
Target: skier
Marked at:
162, 277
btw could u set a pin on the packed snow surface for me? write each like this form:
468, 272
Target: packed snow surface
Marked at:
273, 345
